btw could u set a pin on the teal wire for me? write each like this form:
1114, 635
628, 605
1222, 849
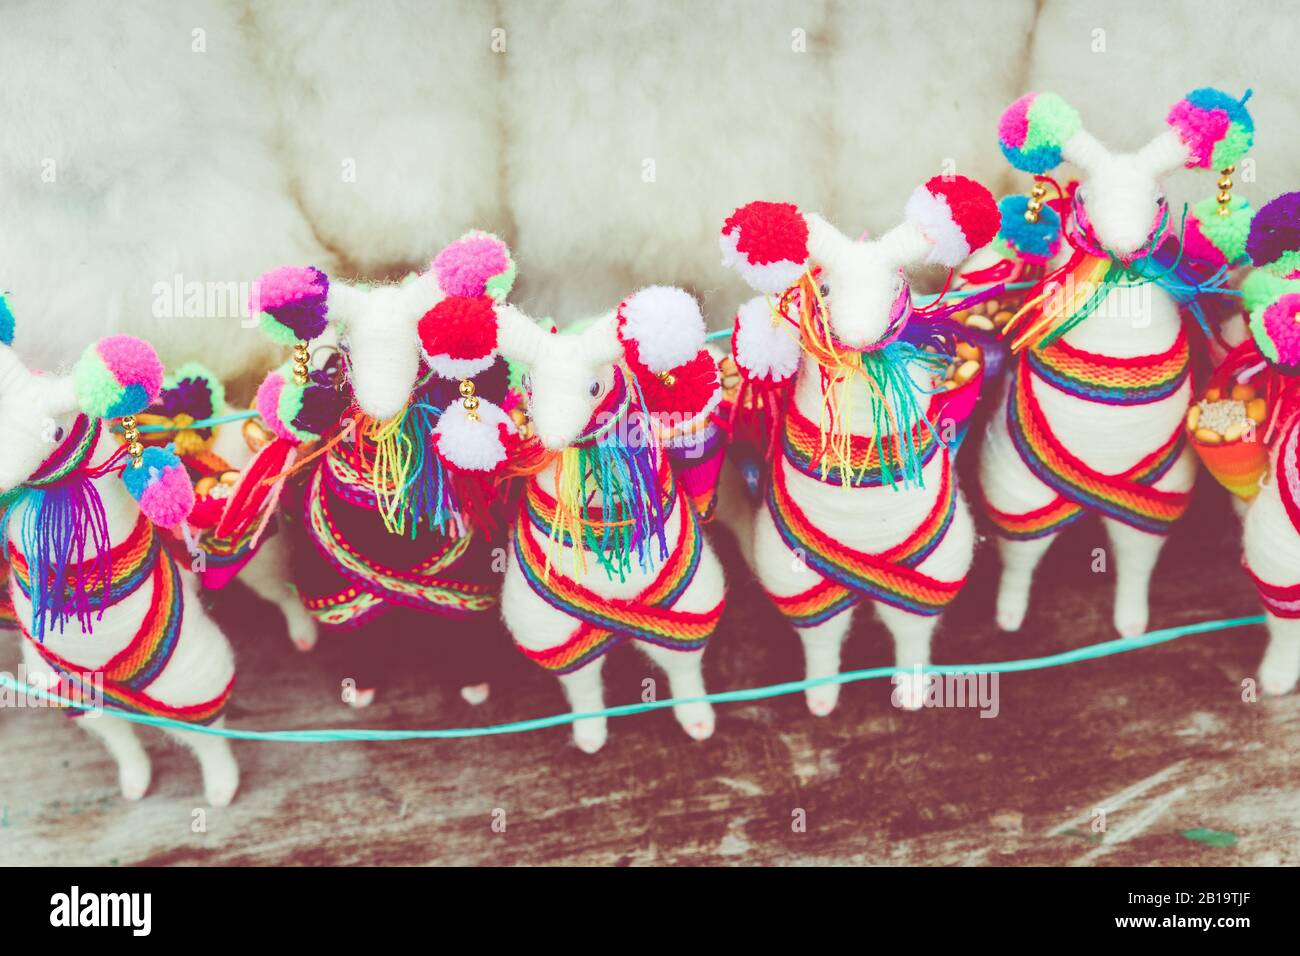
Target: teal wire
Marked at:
200, 423
1088, 652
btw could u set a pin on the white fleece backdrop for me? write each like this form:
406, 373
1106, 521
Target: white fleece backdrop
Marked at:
606, 141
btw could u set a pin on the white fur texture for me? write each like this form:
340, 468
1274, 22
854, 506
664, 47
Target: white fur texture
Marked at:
931, 214
137, 149
202, 663
388, 118
561, 370
458, 368
666, 325
472, 444
765, 349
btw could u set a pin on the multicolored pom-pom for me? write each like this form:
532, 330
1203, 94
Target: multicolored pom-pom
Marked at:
1274, 240
118, 375
1274, 307
193, 390
767, 243
956, 214
6, 323
299, 413
661, 327
765, 351
1034, 129
1217, 129
478, 263
162, 486
1033, 242
292, 303
459, 336
473, 441
1214, 239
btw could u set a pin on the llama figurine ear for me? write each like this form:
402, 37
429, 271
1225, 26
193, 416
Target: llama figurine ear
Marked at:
1216, 130
947, 219
291, 303
1034, 130
767, 243
476, 264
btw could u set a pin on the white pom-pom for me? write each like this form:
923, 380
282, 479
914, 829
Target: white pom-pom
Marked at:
470, 444
930, 213
666, 324
764, 350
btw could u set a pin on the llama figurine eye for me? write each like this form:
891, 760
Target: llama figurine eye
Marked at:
595, 389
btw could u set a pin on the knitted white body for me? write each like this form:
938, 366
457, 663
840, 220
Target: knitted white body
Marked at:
1108, 438
870, 519
269, 573
569, 374
199, 669
537, 625
1272, 549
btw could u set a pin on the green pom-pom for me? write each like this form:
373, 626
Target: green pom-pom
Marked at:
1262, 288
277, 331
1227, 233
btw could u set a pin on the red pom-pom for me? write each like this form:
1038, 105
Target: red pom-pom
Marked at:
973, 207
459, 336
767, 242
681, 396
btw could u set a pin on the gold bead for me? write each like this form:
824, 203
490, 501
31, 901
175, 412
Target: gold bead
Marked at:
466, 388
135, 449
668, 378
1225, 183
1031, 215
1225, 210
1228, 170
1224, 198
471, 402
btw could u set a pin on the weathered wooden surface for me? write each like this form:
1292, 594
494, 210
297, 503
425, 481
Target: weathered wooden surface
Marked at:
1161, 739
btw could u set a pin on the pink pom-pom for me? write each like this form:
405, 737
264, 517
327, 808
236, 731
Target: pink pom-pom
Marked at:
133, 361
764, 351
469, 265
661, 327
169, 499
767, 243
459, 336
268, 404
956, 214
473, 443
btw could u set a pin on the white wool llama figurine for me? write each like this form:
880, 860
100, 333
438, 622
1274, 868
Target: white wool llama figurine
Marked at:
1271, 533
395, 508
842, 526
1092, 419
98, 599
606, 546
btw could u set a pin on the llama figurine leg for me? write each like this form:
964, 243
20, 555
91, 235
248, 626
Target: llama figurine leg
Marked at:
118, 737
216, 762
585, 692
269, 576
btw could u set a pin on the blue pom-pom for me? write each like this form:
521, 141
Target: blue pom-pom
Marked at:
6, 323
1032, 241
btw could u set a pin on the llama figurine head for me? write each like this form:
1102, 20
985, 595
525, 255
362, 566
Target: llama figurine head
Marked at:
657, 334
116, 376
1122, 194
771, 245
386, 328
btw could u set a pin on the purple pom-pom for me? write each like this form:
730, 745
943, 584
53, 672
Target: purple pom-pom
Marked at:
1274, 239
